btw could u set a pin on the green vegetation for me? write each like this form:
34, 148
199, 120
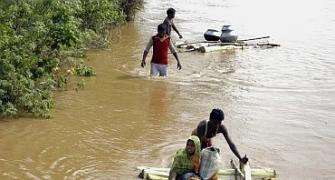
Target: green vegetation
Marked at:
41, 45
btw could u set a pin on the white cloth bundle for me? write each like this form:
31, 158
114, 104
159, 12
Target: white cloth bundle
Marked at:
210, 161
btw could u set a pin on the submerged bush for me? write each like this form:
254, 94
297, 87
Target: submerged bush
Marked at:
39, 41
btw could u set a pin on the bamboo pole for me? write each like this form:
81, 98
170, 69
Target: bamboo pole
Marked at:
205, 49
179, 45
250, 39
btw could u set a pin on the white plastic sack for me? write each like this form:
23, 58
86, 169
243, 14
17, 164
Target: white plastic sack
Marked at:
210, 161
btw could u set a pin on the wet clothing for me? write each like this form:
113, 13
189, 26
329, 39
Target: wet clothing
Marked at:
205, 133
160, 49
183, 163
159, 60
168, 25
160, 69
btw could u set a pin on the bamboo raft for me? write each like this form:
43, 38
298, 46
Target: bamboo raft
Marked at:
210, 46
243, 173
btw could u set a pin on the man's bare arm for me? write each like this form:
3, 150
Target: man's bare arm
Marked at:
230, 142
145, 53
175, 28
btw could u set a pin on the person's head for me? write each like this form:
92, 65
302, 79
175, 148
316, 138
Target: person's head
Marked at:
161, 29
216, 116
190, 147
171, 13
193, 145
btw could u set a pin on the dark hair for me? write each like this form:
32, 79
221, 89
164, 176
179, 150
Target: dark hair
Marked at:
216, 114
171, 11
161, 28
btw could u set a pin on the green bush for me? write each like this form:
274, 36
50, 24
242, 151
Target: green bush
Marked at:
39, 41
95, 14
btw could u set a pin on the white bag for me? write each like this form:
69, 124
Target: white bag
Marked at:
210, 162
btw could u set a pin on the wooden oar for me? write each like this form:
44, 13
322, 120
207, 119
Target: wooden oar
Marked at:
238, 172
246, 170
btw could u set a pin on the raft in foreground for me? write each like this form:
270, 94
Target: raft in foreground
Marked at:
152, 173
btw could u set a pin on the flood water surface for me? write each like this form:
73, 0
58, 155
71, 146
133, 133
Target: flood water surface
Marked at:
278, 103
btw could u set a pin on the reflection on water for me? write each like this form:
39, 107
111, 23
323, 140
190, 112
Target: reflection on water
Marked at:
279, 103
158, 105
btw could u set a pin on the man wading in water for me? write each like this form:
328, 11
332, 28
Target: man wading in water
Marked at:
208, 129
161, 43
169, 24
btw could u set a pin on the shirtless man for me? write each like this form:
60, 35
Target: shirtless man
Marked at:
208, 129
169, 24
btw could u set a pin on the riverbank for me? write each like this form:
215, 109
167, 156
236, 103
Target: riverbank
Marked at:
42, 44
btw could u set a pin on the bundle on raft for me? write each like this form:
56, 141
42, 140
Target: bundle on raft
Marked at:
210, 46
246, 173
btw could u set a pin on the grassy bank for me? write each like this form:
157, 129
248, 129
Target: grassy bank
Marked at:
41, 47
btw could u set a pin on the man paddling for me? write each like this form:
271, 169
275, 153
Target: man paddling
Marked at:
161, 42
206, 130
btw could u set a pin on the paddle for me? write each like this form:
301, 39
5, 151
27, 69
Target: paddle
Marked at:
237, 170
243, 171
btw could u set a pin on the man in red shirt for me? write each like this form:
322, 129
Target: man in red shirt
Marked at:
161, 42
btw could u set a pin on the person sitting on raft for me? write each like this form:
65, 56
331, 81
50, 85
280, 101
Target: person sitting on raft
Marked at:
186, 162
